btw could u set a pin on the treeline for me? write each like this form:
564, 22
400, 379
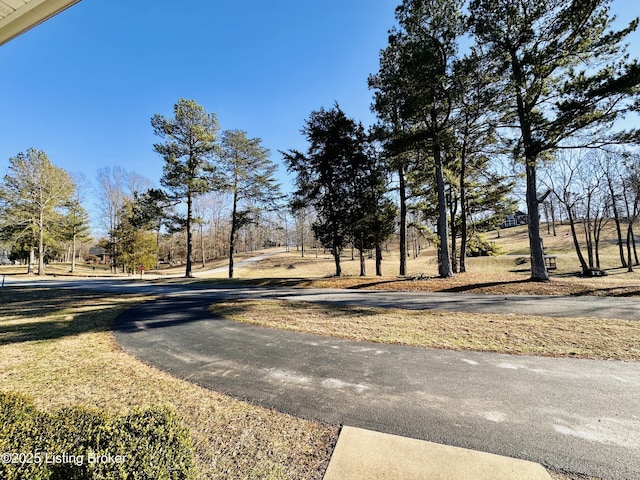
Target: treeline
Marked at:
466, 90
591, 189
40, 211
198, 164
472, 98
463, 86
224, 178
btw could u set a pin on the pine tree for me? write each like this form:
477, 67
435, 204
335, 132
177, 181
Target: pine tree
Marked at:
188, 152
416, 85
565, 75
31, 198
249, 178
324, 176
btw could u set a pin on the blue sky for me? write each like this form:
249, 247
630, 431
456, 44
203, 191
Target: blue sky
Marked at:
84, 85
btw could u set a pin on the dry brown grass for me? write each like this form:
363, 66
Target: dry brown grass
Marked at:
506, 274
480, 281
513, 334
58, 348
488, 275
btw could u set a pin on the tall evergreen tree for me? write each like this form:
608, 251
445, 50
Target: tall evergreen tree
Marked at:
475, 188
75, 227
373, 214
31, 198
249, 171
323, 176
188, 152
421, 87
565, 73
388, 86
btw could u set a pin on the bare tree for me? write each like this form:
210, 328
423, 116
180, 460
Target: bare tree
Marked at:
609, 163
631, 195
116, 186
573, 181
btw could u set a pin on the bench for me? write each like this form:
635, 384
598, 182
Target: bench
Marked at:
550, 262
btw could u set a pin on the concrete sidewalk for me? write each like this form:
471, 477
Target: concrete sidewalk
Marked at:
364, 455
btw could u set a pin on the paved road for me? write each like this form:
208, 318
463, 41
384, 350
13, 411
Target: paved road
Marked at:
242, 262
575, 415
553, 306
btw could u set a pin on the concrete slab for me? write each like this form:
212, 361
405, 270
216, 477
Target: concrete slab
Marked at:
365, 455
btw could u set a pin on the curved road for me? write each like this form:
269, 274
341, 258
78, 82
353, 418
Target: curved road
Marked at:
580, 416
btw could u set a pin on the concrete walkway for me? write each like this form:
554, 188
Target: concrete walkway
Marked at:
366, 455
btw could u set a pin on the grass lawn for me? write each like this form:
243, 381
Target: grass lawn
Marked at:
513, 334
56, 347
505, 275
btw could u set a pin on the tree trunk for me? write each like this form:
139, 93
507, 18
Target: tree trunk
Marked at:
41, 244
234, 226
576, 244
73, 254
538, 268
453, 210
336, 259
588, 232
444, 261
463, 219
378, 260
545, 207
629, 261
553, 216
633, 243
632, 211
232, 241
586, 227
32, 260
598, 226
363, 269
204, 260
403, 221
188, 273
616, 218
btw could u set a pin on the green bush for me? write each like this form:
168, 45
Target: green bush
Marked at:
479, 246
79, 443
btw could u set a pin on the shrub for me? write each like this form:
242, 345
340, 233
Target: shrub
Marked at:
79, 443
479, 246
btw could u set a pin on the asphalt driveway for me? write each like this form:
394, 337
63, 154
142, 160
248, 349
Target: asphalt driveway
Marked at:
574, 415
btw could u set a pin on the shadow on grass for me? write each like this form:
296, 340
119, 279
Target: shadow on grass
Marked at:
474, 286
235, 282
36, 314
618, 292
224, 309
379, 282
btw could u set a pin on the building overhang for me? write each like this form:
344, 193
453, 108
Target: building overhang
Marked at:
18, 16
